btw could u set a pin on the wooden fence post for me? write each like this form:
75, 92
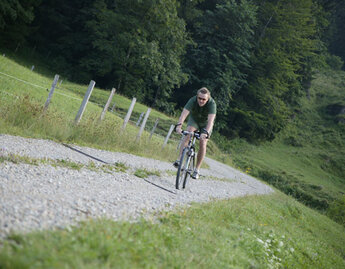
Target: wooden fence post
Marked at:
56, 79
107, 104
154, 128
140, 117
168, 135
125, 121
143, 124
84, 103
113, 107
32, 68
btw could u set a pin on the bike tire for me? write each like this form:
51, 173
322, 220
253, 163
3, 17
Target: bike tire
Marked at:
190, 169
182, 169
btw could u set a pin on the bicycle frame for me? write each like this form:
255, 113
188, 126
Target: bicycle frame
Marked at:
188, 155
192, 137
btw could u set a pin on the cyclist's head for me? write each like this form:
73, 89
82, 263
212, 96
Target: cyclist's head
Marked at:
204, 90
203, 95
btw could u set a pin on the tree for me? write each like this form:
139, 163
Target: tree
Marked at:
15, 16
145, 50
285, 42
334, 35
223, 36
134, 45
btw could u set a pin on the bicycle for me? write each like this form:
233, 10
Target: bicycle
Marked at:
187, 160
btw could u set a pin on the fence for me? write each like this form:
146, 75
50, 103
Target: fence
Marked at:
141, 122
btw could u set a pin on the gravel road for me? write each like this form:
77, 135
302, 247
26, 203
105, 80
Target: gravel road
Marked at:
50, 195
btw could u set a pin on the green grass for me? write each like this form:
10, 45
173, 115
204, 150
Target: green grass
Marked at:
69, 95
271, 231
21, 114
144, 173
107, 168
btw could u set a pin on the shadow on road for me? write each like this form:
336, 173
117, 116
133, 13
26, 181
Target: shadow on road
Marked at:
97, 159
159, 186
92, 157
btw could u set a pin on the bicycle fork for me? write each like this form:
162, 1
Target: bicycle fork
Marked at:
191, 158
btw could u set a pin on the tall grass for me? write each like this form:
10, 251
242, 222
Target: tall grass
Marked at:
27, 118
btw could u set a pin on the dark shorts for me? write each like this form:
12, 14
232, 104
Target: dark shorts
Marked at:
195, 124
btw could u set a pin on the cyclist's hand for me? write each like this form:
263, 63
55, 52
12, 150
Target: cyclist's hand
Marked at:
203, 136
179, 129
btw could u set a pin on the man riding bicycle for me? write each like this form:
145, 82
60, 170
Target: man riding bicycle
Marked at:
202, 112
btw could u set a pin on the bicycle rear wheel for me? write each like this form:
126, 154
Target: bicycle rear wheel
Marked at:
182, 169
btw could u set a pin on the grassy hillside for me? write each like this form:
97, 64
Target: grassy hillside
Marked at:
305, 161
23, 93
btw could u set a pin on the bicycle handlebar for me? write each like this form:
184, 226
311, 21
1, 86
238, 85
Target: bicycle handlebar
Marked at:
196, 134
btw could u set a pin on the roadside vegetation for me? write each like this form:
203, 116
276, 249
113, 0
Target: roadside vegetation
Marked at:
271, 231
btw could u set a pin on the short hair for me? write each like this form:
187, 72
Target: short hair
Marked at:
204, 90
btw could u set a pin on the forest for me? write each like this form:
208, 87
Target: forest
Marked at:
257, 57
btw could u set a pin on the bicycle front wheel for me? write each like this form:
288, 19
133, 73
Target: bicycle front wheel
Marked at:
189, 167
182, 169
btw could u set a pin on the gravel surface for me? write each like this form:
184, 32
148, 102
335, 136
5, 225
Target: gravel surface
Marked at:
50, 195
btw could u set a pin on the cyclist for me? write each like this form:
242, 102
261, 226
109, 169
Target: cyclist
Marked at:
201, 110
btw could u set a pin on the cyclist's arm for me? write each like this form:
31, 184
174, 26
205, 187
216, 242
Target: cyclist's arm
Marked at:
210, 122
183, 116
181, 120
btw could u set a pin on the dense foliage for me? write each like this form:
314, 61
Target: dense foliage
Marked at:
255, 56
15, 19
285, 42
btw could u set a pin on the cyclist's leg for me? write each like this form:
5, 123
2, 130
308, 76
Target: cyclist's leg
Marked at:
201, 153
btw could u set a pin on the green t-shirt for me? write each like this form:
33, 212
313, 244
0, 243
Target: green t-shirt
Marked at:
200, 113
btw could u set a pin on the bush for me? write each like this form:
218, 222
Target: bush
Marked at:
333, 164
292, 141
306, 193
334, 62
336, 211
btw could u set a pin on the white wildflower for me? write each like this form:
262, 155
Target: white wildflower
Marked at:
292, 249
281, 244
259, 240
